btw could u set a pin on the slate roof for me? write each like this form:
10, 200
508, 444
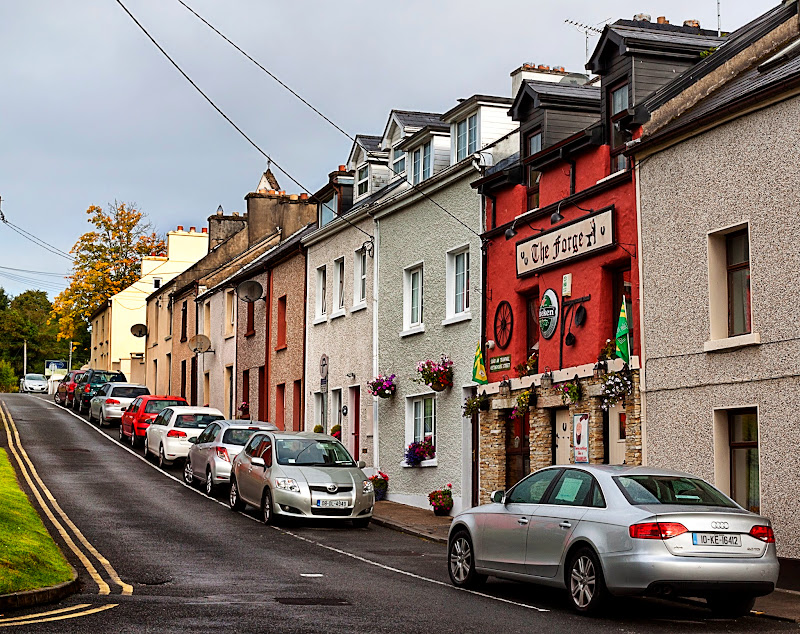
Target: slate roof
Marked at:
369, 142
383, 191
413, 119
505, 163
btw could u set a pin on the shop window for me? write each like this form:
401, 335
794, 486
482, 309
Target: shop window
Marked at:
622, 289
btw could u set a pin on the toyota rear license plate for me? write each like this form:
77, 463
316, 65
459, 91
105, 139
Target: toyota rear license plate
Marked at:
716, 539
339, 504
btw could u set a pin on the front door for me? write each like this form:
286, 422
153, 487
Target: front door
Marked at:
518, 450
355, 420
563, 436
616, 434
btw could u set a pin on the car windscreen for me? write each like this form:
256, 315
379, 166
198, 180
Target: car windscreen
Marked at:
35, 377
129, 392
195, 421
237, 436
307, 451
154, 407
654, 489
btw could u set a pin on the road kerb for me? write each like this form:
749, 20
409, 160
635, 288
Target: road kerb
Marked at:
40, 596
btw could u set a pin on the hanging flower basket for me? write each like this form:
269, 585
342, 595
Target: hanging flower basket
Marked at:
437, 375
522, 404
382, 386
571, 391
615, 387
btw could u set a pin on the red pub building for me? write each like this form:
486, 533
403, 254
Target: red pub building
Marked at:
561, 266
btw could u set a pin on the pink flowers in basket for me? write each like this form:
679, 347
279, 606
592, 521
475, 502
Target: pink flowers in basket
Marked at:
382, 386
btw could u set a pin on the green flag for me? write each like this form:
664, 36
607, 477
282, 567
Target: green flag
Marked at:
478, 369
623, 330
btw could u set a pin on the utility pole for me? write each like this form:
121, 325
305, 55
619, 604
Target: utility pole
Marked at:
25, 358
69, 365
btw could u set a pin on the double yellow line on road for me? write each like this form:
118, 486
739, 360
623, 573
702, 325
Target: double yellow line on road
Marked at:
40, 491
55, 615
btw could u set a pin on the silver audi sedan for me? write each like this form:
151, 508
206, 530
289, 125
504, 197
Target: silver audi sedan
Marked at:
599, 530
213, 451
302, 475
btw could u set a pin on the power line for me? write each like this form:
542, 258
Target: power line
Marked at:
8, 268
414, 186
32, 238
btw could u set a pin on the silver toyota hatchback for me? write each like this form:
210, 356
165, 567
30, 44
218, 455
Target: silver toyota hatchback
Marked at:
302, 475
599, 530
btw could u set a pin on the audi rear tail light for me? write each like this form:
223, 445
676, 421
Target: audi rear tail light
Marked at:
112, 401
222, 454
174, 433
657, 530
764, 533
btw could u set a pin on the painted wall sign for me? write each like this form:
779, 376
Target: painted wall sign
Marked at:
548, 313
498, 364
573, 240
580, 431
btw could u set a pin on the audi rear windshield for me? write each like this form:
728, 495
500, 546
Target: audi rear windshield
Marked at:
652, 489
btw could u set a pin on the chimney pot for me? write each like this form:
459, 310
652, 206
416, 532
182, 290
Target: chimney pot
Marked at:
192, 229
694, 23
304, 196
282, 192
293, 197
235, 214
180, 227
204, 229
662, 19
541, 67
271, 192
343, 168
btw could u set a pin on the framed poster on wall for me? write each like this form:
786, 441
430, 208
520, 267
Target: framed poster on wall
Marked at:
580, 431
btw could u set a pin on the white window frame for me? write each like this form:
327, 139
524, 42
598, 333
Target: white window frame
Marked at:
320, 305
411, 419
452, 314
320, 411
411, 326
336, 407
360, 278
469, 144
230, 313
398, 155
422, 163
338, 288
362, 181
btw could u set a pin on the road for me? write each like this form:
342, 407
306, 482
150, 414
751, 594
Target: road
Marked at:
193, 565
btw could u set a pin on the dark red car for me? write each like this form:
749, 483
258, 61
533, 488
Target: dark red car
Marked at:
65, 391
136, 419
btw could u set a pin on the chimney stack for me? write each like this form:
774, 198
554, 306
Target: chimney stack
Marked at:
641, 17
662, 19
694, 23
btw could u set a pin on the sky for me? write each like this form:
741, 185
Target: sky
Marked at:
91, 112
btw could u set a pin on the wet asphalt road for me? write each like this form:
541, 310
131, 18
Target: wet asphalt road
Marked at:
195, 566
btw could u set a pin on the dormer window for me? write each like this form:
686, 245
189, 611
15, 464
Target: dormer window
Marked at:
617, 109
466, 137
362, 180
398, 162
328, 210
421, 163
534, 143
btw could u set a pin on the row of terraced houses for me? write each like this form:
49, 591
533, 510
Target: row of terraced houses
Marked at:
652, 197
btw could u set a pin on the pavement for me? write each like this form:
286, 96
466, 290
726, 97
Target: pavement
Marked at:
781, 604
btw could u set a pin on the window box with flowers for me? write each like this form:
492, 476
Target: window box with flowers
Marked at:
417, 452
437, 375
382, 386
530, 367
380, 484
442, 500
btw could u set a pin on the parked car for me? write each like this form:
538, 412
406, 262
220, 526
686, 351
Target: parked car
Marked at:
137, 416
106, 406
168, 435
89, 384
301, 474
35, 383
212, 452
599, 530
65, 390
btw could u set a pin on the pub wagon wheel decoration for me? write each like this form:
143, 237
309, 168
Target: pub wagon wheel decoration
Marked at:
503, 324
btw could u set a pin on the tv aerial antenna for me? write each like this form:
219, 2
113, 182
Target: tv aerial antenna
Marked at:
586, 29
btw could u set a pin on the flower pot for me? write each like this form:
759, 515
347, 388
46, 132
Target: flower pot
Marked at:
380, 494
442, 510
385, 395
438, 387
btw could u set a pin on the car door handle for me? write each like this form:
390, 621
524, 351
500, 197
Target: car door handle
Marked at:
565, 524
522, 521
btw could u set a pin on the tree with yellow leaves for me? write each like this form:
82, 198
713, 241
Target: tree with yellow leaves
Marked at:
106, 261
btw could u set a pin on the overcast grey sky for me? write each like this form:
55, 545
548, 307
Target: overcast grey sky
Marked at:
92, 112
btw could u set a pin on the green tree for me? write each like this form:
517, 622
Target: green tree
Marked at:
8, 380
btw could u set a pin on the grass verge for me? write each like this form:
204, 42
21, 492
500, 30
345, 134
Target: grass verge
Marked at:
29, 558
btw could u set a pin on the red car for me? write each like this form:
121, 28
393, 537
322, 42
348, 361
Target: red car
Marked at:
137, 417
65, 391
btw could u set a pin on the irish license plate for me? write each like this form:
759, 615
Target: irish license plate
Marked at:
339, 504
716, 539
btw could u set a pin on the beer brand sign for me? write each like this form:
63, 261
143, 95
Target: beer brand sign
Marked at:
576, 239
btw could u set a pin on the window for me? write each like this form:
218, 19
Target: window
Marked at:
461, 282
280, 404
251, 310
230, 312
338, 281
281, 334
737, 252
206, 388
328, 210
207, 318
183, 378
622, 290
534, 145
743, 435
413, 297
184, 314
336, 407
297, 409
466, 137
398, 161
156, 282
617, 109
362, 182
169, 313
321, 410
421, 163
531, 490
572, 489
322, 309
360, 277
246, 387
424, 419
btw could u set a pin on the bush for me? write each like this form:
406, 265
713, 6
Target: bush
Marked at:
336, 432
8, 380
318, 429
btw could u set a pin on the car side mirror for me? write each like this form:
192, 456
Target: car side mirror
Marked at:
361, 464
498, 497
258, 462
193, 439
124, 409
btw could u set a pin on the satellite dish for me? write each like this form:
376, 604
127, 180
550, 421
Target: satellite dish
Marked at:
138, 330
249, 291
199, 344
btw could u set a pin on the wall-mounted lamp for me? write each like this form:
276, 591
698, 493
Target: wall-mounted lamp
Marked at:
351, 375
511, 232
505, 387
557, 217
600, 368
547, 379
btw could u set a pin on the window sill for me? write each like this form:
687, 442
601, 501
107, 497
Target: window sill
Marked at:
356, 307
425, 463
184, 339
230, 335
322, 319
413, 330
339, 313
282, 346
250, 333
732, 343
168, 337
457, 319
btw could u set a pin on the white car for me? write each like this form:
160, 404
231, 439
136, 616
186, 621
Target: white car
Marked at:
169, 434
36, 383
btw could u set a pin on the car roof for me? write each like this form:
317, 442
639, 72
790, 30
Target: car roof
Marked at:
194, 409
119, 384
302, 435
158, 397
625, 470
243, 424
